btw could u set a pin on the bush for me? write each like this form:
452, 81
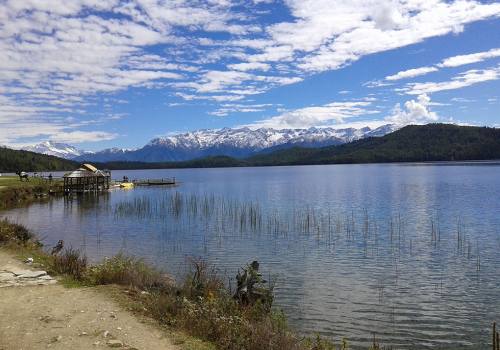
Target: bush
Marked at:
71, 263
14, 233
127, 271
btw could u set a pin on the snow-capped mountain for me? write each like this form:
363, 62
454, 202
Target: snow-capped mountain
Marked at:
61, 150
106, 155
234, 142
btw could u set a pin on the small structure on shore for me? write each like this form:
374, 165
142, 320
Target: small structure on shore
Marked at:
87, 178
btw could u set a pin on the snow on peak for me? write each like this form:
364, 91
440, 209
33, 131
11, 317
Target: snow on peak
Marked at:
57, 149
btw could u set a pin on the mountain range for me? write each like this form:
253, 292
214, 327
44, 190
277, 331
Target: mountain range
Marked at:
413, 143
60, 150
232, 142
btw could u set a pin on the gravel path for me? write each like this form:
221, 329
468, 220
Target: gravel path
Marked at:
38, 313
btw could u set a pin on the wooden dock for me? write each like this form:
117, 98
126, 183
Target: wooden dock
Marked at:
154, 182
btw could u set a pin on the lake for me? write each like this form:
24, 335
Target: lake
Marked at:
409, 252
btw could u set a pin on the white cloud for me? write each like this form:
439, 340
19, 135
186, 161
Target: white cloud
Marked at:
332, 113
229, 108
56, 57
250, 66
359, 30
414, 112
461, 60
62, 54
454, 61
82, 136
411, 73
468, 78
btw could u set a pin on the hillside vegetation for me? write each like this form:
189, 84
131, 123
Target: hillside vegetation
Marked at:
414, 143
14, 160
422, 143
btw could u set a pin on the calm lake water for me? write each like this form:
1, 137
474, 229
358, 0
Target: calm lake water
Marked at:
408, 252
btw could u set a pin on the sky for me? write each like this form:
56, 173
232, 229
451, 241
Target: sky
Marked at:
111, 73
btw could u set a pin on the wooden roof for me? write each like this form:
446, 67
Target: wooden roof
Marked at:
89, 167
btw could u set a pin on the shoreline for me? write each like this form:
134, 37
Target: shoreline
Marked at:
131, 277
198, 311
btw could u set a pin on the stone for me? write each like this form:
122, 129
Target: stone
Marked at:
114, 343
15, 270
33, 274
6, 276
56, 339
45, 278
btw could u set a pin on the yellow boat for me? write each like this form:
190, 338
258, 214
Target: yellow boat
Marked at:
127, 185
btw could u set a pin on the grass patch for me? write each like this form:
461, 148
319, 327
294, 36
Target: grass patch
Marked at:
126, 271
14, 192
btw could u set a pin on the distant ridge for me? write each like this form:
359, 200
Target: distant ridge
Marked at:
233, 142
15, 160
51, 148
414, 143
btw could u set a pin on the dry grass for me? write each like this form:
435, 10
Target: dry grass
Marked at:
14, 233
126, 271
70, 262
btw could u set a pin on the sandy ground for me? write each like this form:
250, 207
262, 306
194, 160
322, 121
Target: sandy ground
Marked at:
54, 317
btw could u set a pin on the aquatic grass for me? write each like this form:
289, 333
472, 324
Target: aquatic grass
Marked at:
220, 216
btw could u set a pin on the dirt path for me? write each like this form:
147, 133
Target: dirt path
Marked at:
34, 316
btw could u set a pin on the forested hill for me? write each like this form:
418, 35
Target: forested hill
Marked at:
414, 143
14, 160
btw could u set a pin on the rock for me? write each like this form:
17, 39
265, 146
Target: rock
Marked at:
105, 334
45, 278
83, 334
6, 276
33, 274
114, 343
56, 339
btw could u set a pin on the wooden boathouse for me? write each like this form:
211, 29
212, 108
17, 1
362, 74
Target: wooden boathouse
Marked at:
87, 178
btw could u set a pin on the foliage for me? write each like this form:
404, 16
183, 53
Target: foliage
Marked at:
14, 192
14, 233
14, 160
70, 262
126, 271
432, 142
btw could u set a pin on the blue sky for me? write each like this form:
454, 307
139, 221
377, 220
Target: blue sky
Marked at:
107, 73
